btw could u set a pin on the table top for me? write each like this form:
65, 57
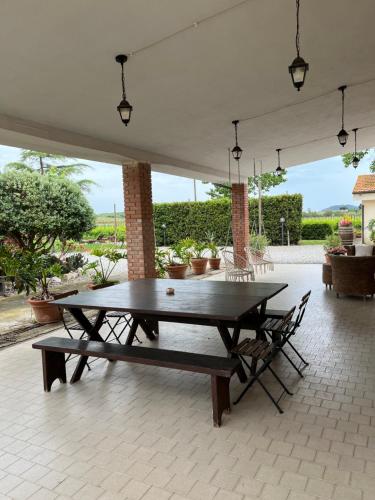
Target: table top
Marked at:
212, 300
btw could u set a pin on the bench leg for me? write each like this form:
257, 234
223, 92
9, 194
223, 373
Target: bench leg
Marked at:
53, 368
220, 397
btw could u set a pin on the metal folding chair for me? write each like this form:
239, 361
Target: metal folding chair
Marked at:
122, 320
261, 350
274, 327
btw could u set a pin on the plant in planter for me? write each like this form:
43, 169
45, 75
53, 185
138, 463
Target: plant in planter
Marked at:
371, 228
178, 260
100, 270
214, 260
258, 244
161, 262
198, 260
346, 231
332, 241
33, 273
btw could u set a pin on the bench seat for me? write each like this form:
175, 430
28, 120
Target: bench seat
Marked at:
220, 369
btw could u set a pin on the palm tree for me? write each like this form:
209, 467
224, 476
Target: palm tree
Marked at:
51, 164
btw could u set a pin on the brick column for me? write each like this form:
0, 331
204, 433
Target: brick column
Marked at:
240, 218
138, 219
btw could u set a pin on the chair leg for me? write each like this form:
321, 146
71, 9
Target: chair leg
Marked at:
53, 368
270, 396
298, 354
280, 381
245, 391
220, 398
291, 362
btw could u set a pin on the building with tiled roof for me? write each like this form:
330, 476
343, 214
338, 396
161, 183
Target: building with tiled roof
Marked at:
364, 193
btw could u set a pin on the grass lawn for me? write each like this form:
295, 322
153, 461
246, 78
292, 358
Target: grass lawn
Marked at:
311, 242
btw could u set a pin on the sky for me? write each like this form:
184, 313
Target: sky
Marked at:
323, 183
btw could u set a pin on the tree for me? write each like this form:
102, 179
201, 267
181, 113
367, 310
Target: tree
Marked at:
51, 164
268, 181
36, 209
347, 159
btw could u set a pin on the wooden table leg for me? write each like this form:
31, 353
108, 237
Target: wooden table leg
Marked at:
132, 331
92, 331
229, 343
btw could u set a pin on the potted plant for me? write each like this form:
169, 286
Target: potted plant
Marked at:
258, 244
214, 260
101, 269
198, 260
346, 231
335, 251
161, 262
332, 241
178, 260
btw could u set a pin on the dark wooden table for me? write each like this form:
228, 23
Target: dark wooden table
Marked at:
219, 304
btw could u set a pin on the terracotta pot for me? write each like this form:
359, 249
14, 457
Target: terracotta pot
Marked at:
92, 286
346, 234
44, 311
214, 263
177, 272
199, 265
328, 259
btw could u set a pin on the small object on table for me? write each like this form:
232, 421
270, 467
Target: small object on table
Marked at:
170, 291
327, 275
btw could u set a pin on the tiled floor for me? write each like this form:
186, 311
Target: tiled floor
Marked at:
133, 432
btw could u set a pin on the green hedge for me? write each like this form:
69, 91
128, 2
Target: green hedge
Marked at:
316, 230
196, 219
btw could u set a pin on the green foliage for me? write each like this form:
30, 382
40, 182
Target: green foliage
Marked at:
100, 270
214, 249
333, 221
371, 227
258, 242
316, 230
35, 210
198, 250
196, 219
51, 164
347, 159
268, 181
105, 232
161, 257
331, 241
32, 272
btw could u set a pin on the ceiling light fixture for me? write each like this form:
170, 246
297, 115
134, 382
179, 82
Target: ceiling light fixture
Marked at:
355, 161
343, 135
236, 151
279, 171
124, 108
299, 67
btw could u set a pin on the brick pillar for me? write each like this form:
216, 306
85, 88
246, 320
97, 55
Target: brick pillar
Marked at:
138, 219
240, 218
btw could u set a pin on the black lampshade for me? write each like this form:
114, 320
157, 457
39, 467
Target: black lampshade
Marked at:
125, 110
342, 136
298, 70
355, 162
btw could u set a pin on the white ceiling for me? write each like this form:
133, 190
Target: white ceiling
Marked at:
59, 84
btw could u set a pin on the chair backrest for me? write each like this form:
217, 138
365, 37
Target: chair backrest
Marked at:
302, 308
234, 261
287, 318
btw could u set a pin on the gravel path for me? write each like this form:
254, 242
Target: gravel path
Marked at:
301, 254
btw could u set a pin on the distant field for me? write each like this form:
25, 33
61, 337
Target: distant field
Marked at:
108, 220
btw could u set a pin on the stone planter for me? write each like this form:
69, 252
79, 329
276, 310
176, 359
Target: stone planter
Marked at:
92, 286
177, 272
346, 234
214, 263
199, 266
44, 311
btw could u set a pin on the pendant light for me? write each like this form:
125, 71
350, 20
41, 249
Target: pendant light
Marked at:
124, 108
343, 135
299, 67
236, 151
279, 171
355, 161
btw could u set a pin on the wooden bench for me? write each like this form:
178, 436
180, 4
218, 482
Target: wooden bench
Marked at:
220, 369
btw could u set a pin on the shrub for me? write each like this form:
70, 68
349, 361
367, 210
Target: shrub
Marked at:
35, 210
316, 230
196, 219
105, 232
